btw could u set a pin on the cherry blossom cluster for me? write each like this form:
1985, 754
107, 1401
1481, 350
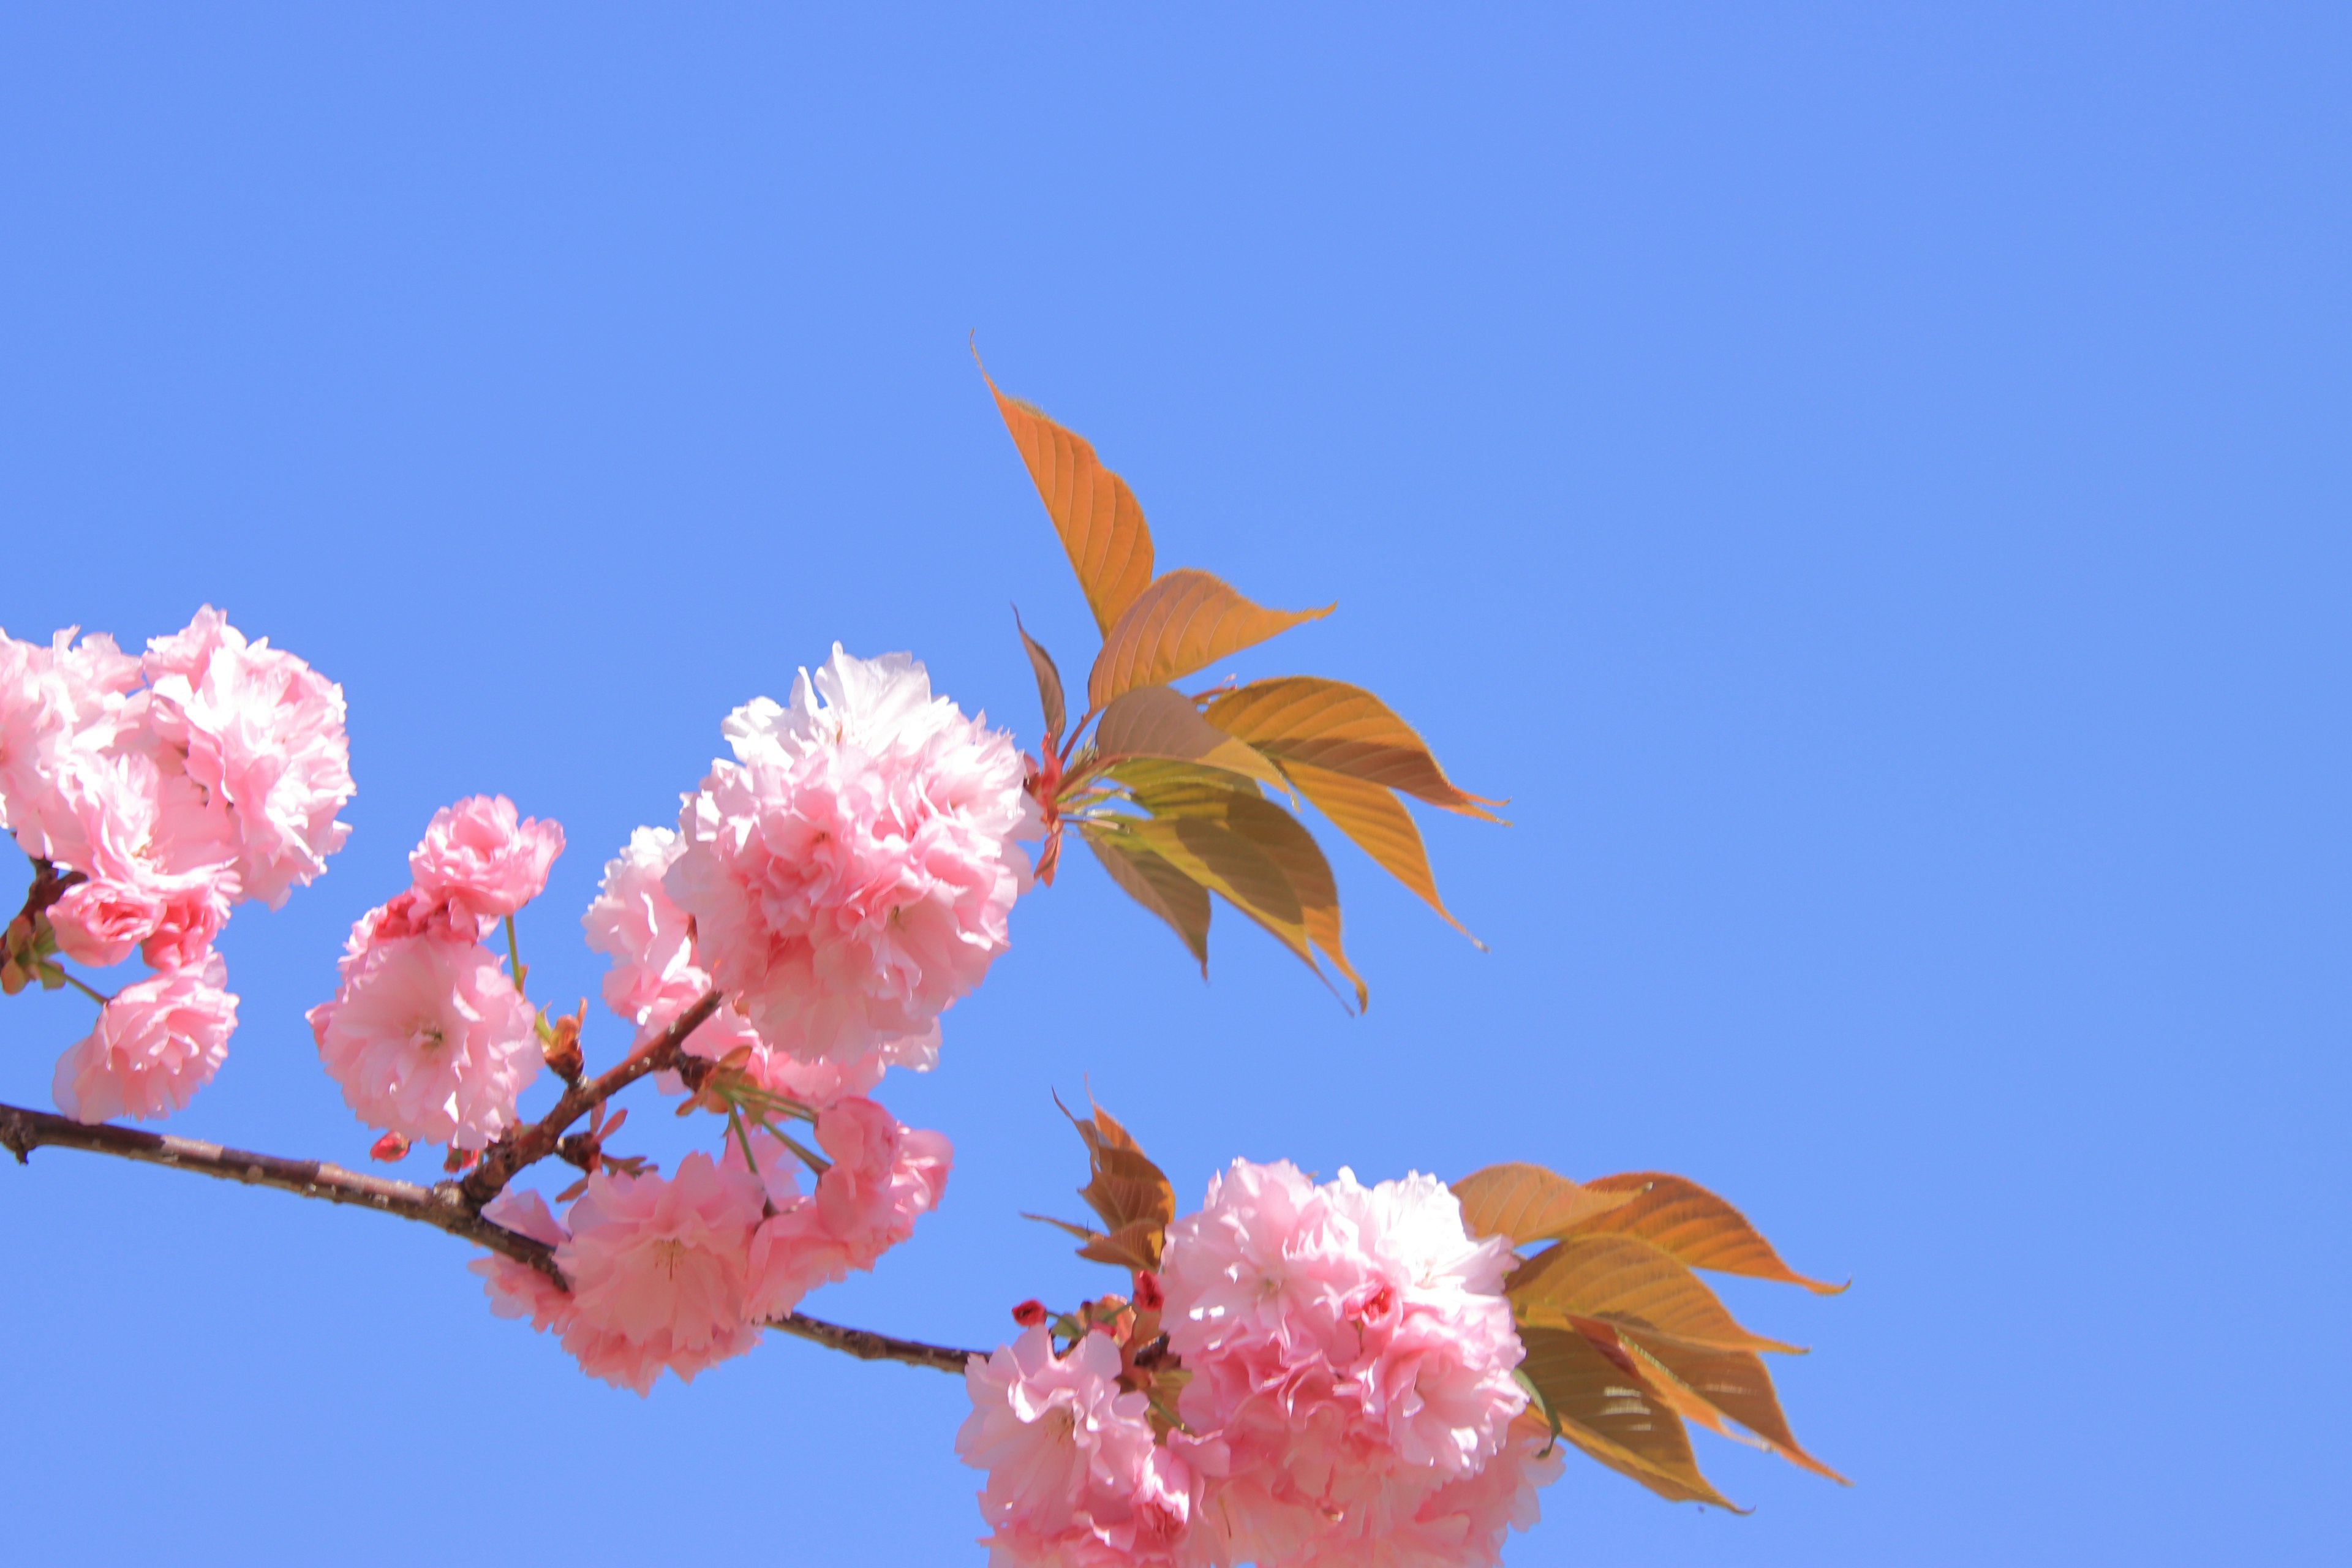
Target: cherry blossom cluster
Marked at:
681, 1271
1347, 1395
160, 791
428, 1037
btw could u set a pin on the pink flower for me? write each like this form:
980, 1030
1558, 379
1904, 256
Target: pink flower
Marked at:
1074, 1475
58, 704
517, 1289
850, 873
1463, 1523
657, 1269
262, 733
883, 1178
477, 859
159, 868
1350, 1345
427, 1036
156, 1043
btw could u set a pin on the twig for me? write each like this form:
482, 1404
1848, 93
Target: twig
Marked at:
442, 1205
529, 1145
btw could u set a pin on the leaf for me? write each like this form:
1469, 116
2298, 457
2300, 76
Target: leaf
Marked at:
1131, 1192
1715, 1388
1227, 863
1049, 683
1613, 1416
1527, 1203
1624, 1282
1344, 729
1279, 833
1157, 722
1184, 621
1684, 1219
1096, 515
1378, 823
1157, 885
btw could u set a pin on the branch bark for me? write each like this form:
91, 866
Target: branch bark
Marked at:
445, 1205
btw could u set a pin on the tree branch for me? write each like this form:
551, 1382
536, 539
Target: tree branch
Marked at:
444, 1206
526, 1146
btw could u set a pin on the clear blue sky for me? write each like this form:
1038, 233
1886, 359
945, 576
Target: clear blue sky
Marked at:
1869, 484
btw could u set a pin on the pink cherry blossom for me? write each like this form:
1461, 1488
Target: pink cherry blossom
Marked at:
1350, 1345
883, 1178
657, 1268
58, 704
159, 867
517, 1289
427, 1036
850, 873
1463, 1523
1075, 1477
156, 1043
479, 859
262, 733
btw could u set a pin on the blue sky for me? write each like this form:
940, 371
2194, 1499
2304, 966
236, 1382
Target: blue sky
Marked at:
1869, 484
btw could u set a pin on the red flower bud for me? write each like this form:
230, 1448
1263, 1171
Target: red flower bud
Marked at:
390, 1147
1030, 1313
1148, 1293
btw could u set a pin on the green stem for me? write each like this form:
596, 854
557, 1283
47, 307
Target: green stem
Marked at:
100, 997
514, 955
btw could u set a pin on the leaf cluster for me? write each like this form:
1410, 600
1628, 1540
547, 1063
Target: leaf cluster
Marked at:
1624, 1343
1181, 796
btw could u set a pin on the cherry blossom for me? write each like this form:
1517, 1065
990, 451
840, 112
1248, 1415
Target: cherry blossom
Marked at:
157, 1042
1075, 1476
883, 1177
850, 873
658, 1267
481, 860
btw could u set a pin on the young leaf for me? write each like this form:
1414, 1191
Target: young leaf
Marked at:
1344, 729
1156, 723
1290, 846
1684, 1219
1184, 621
1380, 825
1128, 1191
1226, 862
1629, 1285
1049, 683
1529, 1204
1715, 1388
1155, 884
1614, 1416
1101, 526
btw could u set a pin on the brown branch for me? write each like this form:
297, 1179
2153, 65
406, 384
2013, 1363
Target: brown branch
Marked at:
526, 1146
442, 1205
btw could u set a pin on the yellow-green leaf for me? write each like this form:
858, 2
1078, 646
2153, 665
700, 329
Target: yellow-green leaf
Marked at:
1684, 1219
1049, 683
1529, 1204
1380, 825
1183, 622
1715, 1388
1227, 863
1158, 724
1613, 1416
1096, 515
1627, 1283
1344, 729
1157, 885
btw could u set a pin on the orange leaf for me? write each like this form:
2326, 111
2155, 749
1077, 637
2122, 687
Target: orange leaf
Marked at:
1278, 836
1378, 823
1225, 862
1527, 1203
1049, 682
1714, 1388
1157, 886
1614, 1416
1684, 1218
1159, 724
1128, 1191
1344, 729
1101, 526
1184, 621
1135, 1245
1624, 1282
